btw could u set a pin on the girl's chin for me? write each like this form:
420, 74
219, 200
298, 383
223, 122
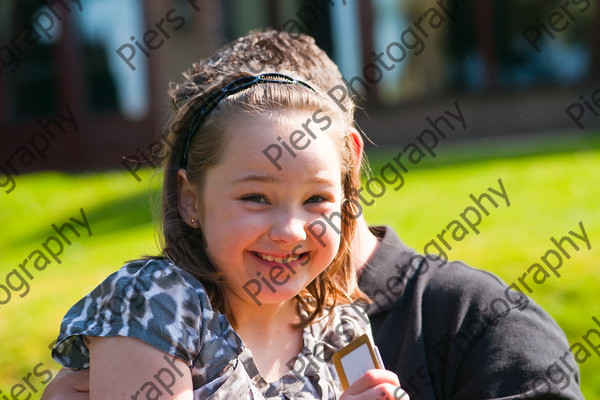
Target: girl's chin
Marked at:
264, 295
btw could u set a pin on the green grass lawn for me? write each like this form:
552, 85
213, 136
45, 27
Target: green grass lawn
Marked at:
552, 186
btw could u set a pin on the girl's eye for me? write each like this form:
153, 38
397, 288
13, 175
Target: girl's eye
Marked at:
255, 198
316, 199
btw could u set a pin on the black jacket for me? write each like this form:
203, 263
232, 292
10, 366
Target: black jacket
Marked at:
450, 331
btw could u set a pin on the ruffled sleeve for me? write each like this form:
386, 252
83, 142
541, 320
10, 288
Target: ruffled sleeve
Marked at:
153, 301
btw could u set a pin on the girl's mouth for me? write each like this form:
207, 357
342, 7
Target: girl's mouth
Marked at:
280, 260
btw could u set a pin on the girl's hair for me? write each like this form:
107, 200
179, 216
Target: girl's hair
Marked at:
185, 245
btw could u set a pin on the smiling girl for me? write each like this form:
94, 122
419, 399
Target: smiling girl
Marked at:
230, 216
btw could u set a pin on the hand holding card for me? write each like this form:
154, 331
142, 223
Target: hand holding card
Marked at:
358, 357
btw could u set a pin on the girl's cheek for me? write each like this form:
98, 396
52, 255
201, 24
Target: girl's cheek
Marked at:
250, 219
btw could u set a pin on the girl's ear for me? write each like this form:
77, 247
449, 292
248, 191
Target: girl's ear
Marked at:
188, 199
357, 145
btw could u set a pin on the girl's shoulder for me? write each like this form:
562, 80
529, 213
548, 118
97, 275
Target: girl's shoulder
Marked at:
152, 300
155, 269
156, 275
154, 279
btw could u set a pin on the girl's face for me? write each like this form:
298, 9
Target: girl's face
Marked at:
256, 218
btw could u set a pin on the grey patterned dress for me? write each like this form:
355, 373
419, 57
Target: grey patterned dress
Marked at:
168, 308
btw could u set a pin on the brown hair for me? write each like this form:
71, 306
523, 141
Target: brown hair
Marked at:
273, 51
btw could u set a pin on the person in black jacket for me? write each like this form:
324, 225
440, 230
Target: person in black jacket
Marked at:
451, 331
447, 330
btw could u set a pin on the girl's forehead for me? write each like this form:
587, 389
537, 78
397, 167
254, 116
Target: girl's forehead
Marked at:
296, 129
293, 131
281, 145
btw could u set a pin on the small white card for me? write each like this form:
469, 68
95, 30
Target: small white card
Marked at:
352, 361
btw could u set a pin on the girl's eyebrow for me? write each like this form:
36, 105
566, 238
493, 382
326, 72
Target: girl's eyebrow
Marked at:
257, 178
274, 179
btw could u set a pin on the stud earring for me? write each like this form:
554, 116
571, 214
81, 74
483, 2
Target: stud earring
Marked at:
193, 221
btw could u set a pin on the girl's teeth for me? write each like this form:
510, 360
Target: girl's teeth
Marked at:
268, 257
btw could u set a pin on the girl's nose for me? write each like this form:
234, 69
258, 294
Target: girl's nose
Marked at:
287, 228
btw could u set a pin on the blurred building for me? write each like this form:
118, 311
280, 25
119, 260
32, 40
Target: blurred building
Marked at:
83, 83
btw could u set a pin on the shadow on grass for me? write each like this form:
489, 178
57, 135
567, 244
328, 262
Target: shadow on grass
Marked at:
125, 213
107, 218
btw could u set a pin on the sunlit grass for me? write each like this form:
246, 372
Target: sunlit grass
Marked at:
549, 194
